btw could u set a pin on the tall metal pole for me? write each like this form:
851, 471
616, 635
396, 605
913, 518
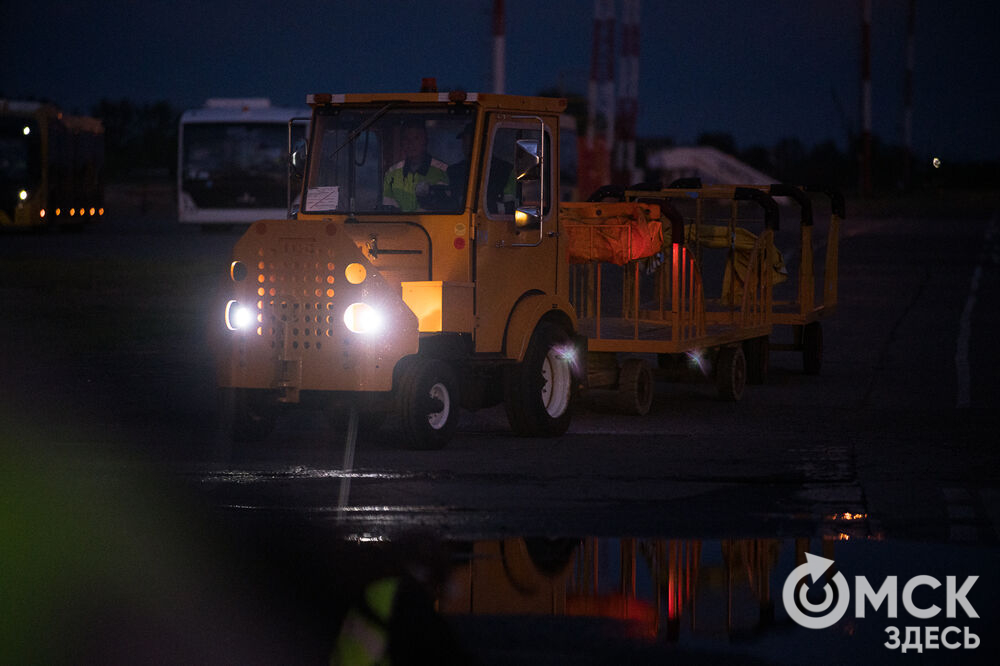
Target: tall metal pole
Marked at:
627, 106
908, 95
499, 46
594, 157
866, 98
602, 74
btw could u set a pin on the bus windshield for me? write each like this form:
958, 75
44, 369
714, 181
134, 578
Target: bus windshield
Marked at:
17, 157
235, 165
377, 159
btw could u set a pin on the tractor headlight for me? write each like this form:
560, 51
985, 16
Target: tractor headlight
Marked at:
238, 317
363, 318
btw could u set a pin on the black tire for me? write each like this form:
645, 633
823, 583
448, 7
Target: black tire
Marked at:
426, 403
246, 415
635, 387
731, 373
812, 348
758, 357
538, 392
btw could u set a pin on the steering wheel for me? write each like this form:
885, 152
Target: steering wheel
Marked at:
438, 197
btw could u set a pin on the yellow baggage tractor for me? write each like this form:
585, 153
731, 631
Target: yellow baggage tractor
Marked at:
428, 265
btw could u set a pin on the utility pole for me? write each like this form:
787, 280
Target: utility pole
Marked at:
602, 74
499, 46
908, 96
627, 106
866, 99
595, 160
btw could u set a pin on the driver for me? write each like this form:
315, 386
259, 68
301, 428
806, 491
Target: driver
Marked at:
410, 179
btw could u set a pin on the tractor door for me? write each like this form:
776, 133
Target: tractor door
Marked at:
517, 247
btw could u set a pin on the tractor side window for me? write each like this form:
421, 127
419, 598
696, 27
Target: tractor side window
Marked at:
504, 188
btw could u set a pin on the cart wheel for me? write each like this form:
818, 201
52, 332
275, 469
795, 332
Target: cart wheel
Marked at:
758, 355
812, 348
247, 415
731, 372
538, 392
426, 403
635, 387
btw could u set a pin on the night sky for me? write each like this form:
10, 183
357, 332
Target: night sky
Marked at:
760, 71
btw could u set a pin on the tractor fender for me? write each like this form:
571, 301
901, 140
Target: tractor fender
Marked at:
527, 313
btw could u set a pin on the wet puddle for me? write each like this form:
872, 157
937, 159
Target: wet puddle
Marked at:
658, 600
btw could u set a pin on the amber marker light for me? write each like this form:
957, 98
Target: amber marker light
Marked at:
355, 273
238, 271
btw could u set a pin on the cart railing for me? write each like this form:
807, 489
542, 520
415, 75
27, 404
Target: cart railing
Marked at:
664, 295
680, 298
804, 307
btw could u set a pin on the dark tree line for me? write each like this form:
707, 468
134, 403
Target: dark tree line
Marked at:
790, 161
140, 140
141, 143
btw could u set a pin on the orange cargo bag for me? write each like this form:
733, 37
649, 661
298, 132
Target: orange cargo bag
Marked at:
615, 233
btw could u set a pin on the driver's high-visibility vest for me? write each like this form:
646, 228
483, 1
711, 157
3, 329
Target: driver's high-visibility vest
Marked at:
364, 636
400, 185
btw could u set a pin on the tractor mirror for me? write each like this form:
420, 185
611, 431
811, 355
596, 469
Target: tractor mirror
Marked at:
529, 159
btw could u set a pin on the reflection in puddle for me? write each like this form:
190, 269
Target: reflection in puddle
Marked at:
691, 597
657, 588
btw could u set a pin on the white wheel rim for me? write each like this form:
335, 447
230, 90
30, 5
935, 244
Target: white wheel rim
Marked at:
437, 420
557, 384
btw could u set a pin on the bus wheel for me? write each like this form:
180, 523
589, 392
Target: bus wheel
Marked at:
538, 392
812, 348
426, 403
731, 372
635, 387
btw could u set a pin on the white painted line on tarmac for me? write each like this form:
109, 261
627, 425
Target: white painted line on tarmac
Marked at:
964, 397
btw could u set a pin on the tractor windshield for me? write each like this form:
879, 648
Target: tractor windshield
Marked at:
381, 159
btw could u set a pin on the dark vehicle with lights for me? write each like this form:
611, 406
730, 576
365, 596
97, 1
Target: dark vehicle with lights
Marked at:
51, 166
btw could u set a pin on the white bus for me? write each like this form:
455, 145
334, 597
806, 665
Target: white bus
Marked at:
232, 159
